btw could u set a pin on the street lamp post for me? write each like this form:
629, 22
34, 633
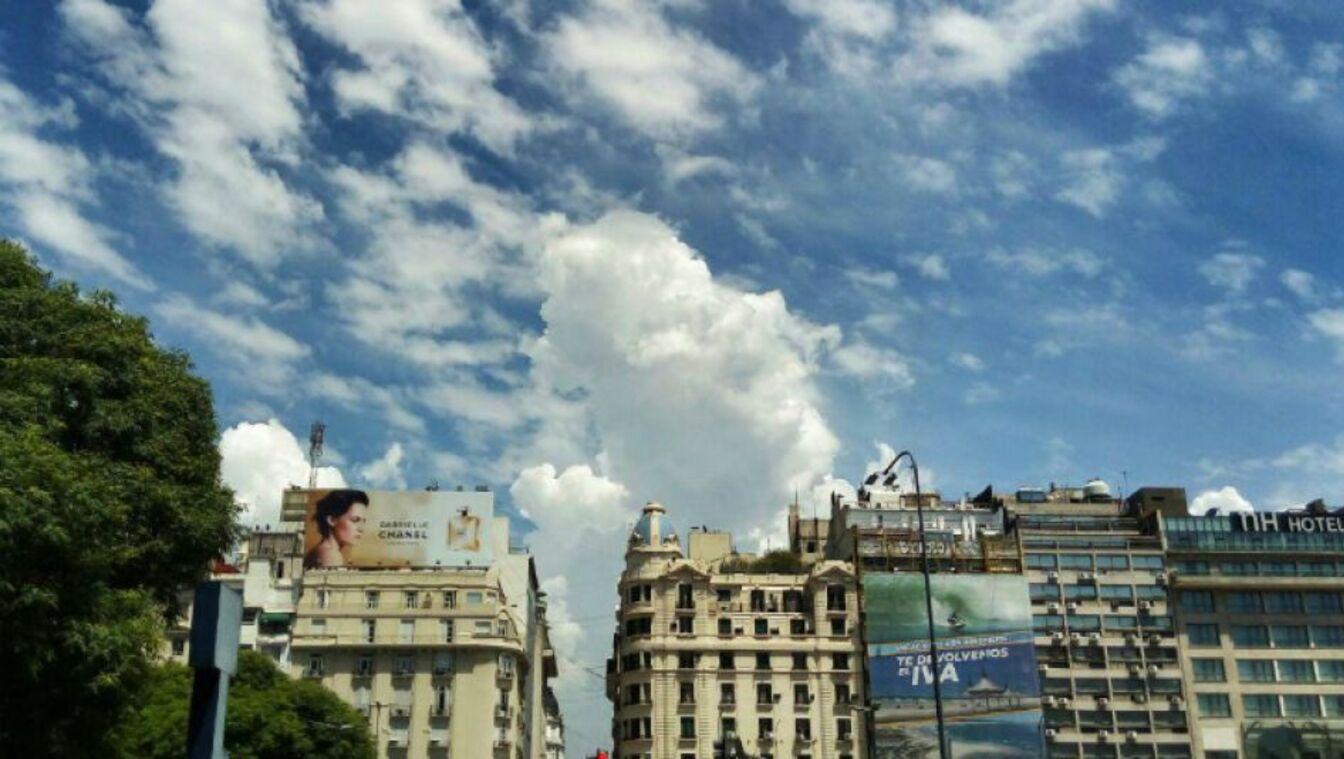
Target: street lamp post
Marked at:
928, 594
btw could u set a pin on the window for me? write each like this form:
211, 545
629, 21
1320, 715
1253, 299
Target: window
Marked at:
762, 661
761, 626
687, 727
685, 596
765, 727
1120, 623
725, 660
506, 664
407, 631
405, 664
800, 661
364, 666
1150, 563
1192, 567
1075, 561
1084, 622
1250, 636
1296, 671
723, 595
686, 692
1080, 592
758, 600
727, 693
370, 629
1290, 636
1112, 561
1260, 705
370, 599
800, 694
443, 662
319, 627
1041, 561
179, 646
1117, 593
802, 729
446, 630
1208, 670
1047, 623
1319, 602
686, 660
410, 599
640, 593
838, 627
1042, 591
797, 627
481, 628
1213, 705
1242, 602
729, 727
840, 661
1331, 671
842, 693
316, 666
843, 730
1334, 705
1202, 634
475, 598
835, 598
725, 626
443, 701
1283, 602
1197, 601
323, 598
1151, 593
450, 599
764, 694
1327, 636
685, 624
638, 626
1255, 670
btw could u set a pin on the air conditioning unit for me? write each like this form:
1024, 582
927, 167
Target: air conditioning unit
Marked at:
1134, 668
437, 742
1075, 638
1152, 670
1094, 639
1154, 640
395, 742
1103, 702
1053, 577
401, 711
1086, 577
1145, 605
1176, 700
1042, 670
1053, 608
1162, 579
1051, 701
1140, 698
1057, 638
1131, 736
1131, 638
1073, 606
1104, 736
1051, 734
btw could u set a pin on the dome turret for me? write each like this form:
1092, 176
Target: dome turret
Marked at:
654, 529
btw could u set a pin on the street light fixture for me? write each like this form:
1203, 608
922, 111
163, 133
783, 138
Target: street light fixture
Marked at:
890, 478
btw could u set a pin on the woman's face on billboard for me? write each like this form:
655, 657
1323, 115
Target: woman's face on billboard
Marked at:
348, 528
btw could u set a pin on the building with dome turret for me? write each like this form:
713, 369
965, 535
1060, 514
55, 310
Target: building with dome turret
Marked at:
718, 653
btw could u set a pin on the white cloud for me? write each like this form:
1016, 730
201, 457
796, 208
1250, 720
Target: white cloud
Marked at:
927, 174
386, 471
1092, 180
421, 59
1329, 322
664, 80
217, 86
868, 362
956, 46
567, 503
968, 361
931, 266
1299, 283
1231, 271
47, 184
1225, 500
878, 279
259, 460
1036, 262
259, 354
846, 35
1170, 71
982, 392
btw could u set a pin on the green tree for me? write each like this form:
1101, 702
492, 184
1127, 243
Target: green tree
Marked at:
110, 505
270, 716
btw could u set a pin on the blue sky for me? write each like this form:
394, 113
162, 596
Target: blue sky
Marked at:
601, 252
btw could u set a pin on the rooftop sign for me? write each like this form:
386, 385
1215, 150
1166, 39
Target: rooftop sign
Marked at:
1287, 522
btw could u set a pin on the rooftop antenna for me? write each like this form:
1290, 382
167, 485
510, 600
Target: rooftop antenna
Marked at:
315, 435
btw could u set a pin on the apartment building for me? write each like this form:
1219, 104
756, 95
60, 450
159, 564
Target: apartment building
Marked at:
1106, 643
723, 654
1260, 613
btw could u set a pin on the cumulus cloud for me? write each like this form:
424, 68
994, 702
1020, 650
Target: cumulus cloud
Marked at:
872, 363
258, 461
663, 79
1299, 283
1224, 500
47, 186
1231, 271
259, 354
932, 267
225, 108
1092, 180
956, 46
1170, 71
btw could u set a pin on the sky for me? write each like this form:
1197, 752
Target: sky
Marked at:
715, 254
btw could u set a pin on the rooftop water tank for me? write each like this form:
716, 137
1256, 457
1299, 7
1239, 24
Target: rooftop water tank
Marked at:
1096, 489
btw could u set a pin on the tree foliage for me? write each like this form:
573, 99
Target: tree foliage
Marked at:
110, 505
270, 716
779, 562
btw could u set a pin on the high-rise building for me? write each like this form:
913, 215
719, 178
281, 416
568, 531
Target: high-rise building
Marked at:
1260, 611
724, 654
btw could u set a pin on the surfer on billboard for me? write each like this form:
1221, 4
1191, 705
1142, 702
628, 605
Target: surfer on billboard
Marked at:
339, 517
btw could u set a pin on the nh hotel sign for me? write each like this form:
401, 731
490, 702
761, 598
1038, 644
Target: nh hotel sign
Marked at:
1277, 522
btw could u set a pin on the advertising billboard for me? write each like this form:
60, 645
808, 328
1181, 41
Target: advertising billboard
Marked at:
986, 666
396, 528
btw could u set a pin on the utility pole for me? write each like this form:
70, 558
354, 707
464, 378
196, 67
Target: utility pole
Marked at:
216, 614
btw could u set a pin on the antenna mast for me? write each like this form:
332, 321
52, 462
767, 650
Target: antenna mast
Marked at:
315, 436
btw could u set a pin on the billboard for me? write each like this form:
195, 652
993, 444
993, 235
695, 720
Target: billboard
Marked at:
396, 528
986, 666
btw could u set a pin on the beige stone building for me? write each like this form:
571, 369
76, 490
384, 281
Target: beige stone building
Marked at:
1260, 611
716, 651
